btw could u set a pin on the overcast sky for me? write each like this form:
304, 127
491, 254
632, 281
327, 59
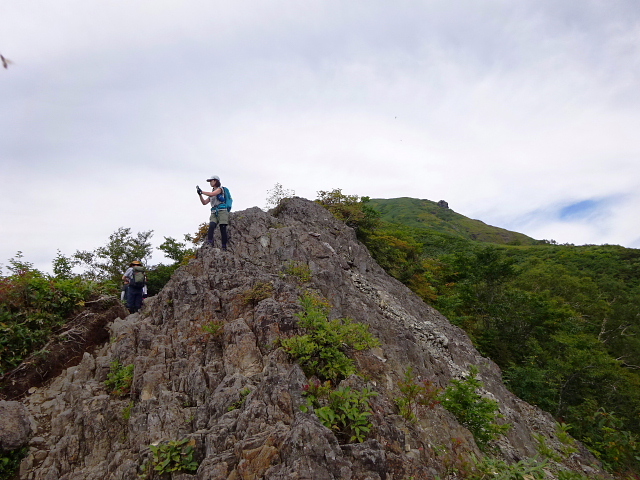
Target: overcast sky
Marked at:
523, 114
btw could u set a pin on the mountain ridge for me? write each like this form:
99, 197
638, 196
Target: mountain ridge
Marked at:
188, 384
427, 214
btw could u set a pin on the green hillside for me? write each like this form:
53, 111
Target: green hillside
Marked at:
561, 321
425, 214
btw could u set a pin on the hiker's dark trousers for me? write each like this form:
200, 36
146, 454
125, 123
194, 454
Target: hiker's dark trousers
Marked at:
134, 299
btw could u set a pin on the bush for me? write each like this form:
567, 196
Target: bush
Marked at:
322, 351
475, 412
414, 394
171, 456
345, 411
32, 306
119, 379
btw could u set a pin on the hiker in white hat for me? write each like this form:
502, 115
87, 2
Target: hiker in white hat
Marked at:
219, 209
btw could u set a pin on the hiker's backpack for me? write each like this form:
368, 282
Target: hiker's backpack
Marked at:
225, 199
139, 279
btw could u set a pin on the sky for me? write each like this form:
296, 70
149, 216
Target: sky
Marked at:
524, 115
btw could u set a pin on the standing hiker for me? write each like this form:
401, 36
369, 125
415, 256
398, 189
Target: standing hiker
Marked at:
220, 201
135, 279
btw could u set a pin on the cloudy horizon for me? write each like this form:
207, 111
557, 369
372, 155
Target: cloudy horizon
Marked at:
523, 115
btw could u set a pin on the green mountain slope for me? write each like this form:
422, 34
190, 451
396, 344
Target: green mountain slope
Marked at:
425, 214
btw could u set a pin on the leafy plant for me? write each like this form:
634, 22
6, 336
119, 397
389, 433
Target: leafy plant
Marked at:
276, 195
351, 209
545, 450
345, 411
299, 270
126, 411
475, 412
495, 469
414, 394
10, 462
568, 442
119, 379
214, 327
258, 292
33, 306
171, 456
617, 449
109, 262
243, 397
322, 351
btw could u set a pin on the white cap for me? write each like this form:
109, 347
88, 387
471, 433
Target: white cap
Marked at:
213, 177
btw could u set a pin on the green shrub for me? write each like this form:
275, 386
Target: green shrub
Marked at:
322, 351
299, 270
10, 462
214, 327
345, 411
414, 394
119, 379
475, 412
494, 469
32, 306
171, 456
258, 292
243, 397
617, 449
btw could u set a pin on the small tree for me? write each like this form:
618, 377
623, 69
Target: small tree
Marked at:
276, 195
351, 209
111, 261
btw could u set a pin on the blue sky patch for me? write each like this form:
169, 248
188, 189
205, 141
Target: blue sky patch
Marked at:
580, 210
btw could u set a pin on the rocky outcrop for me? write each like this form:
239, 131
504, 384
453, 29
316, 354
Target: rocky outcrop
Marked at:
236, 396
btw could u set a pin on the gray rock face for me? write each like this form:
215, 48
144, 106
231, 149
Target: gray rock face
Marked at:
15, 425
237, 396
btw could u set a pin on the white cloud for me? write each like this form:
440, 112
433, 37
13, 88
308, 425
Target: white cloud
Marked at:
508, 111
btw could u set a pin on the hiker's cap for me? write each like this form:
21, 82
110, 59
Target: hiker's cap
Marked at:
136, 262
213, 177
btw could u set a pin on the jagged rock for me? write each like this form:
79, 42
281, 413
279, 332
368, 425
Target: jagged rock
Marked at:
443, 204
15, 425
237, 396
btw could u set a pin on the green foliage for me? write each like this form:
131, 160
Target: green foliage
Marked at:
563, 322
545, 450
63, 266
475, 412
10, 462
495, 469
169, 457
158, 276
323, 350
299, 270
414, 394
109, 262
428, 215
243, 397
119, 379
351, 209
177, 251
257, 293
214, 327
344, 410
616, 448
33, 306
126, 411
276, 195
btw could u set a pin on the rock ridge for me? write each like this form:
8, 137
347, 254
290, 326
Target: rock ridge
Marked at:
236, 396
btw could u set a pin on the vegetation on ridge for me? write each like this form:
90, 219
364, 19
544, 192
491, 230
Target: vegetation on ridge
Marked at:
562, 321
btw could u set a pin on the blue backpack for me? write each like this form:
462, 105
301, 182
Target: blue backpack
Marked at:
225, 199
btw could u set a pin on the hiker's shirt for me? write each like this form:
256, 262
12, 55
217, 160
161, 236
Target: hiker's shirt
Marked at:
214, 200
129, 274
